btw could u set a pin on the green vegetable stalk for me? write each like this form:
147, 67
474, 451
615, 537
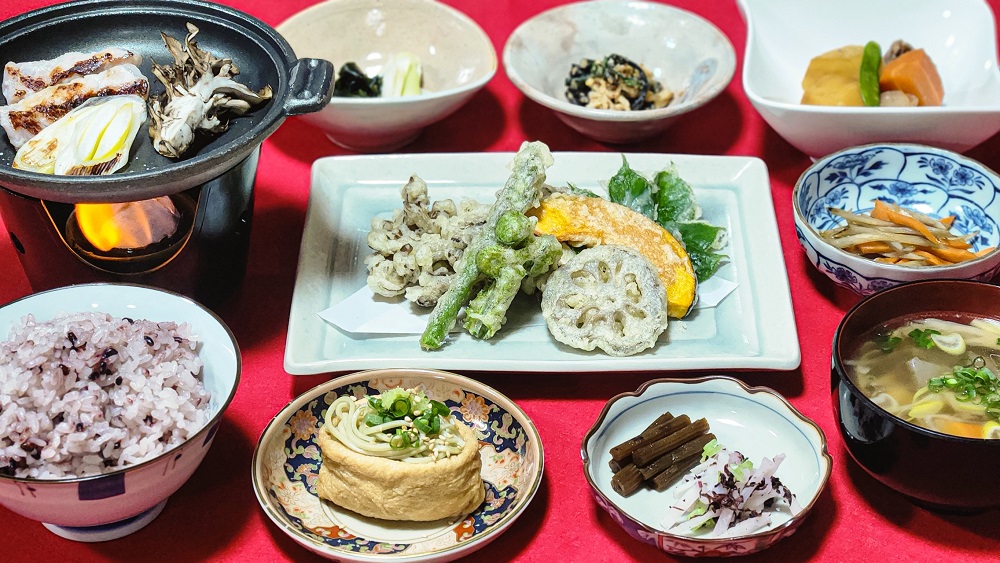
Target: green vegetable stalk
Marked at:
505, 266
519, 193
871, 62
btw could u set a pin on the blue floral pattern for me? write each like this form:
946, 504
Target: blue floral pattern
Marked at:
509, 471
920, 178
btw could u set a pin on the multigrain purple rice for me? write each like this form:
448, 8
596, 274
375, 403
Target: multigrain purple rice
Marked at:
86, 393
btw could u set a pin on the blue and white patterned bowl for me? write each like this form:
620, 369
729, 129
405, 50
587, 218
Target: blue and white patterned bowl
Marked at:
287, 460
755, 421
930, 180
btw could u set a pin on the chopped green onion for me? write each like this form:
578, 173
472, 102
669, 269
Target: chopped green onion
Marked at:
422, 425
887, 342
923, 337
373, 419
975, 385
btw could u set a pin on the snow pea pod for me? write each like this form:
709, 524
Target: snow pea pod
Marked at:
871, 60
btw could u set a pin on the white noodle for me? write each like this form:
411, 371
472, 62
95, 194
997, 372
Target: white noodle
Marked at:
345, 421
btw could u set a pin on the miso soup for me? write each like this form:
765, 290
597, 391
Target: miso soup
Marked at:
935, 372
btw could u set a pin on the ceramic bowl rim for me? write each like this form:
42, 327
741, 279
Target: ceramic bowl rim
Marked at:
889, 268
458, 15
212, 422
838, 364
798, 108
398, 372
715, 88
795, 520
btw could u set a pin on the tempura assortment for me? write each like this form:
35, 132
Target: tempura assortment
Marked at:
611, 270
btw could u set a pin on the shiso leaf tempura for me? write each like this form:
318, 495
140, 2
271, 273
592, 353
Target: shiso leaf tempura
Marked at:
520, 193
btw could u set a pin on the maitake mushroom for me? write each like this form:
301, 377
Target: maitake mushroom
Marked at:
199, 92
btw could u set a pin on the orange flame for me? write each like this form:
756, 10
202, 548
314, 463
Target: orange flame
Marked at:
97, 223
133, 224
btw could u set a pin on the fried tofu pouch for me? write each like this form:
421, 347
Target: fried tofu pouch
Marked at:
397, 490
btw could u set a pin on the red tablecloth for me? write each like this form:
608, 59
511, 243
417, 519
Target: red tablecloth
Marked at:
215, 515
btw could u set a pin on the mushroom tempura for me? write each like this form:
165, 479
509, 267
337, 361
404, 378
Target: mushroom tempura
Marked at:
199, 92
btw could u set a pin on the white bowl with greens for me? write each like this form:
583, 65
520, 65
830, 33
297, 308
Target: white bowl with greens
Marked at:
456, 58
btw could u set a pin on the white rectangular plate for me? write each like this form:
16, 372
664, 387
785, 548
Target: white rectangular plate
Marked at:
752, 328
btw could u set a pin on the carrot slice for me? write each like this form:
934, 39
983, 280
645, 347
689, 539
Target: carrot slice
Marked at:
914, 72
884, 212
931, 258
947, 221
951, 254
873, 247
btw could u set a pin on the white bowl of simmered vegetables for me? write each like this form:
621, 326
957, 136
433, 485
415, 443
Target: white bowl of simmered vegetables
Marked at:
875, 216
705, 467
829, 75
619, 71
916, 392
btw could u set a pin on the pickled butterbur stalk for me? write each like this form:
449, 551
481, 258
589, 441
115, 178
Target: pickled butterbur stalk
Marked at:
93, 139
200, 95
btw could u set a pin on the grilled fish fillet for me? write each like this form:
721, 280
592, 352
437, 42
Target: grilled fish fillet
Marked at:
21, 79
25, 119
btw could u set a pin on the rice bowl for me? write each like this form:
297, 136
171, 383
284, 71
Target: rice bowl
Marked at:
86, 393
122, 500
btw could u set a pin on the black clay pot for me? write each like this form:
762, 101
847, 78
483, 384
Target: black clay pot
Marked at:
935, 470
261, 54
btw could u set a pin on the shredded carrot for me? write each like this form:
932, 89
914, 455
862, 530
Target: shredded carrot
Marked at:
951, 254
873, 247
931, 258
892, 234
900, 218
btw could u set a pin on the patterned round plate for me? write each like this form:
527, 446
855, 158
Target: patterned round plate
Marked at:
287, 460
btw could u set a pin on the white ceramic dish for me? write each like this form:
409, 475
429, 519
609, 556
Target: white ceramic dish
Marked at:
756, 421
686, 53
287, 460
457, 58
109, 506
752, 328
960, 36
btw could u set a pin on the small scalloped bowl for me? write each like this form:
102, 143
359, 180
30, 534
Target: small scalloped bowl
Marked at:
287, 459
927, 179
115, 504
960, 36
685, 52
457, 57
756, 421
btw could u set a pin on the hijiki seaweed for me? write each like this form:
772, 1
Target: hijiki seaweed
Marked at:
615, 82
